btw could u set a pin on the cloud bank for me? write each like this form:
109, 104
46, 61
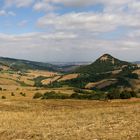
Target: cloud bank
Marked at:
74, 30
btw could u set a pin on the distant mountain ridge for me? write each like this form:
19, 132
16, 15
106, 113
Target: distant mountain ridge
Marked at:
19, 64
104, 64
137, 62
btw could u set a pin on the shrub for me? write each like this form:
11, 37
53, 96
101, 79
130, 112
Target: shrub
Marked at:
79, 96
37, 95
3, 97
114, 94
74, 96
38, 80
138, 95
37, 89
89, 96
77, 90
12, 94
53, 95
123, 81
99, 96
0, 88
133, 76
55, 84
133, 94
22, 94
125, 95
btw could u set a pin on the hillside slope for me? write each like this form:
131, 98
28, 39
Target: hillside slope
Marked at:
105, 63
18, 64
105, 73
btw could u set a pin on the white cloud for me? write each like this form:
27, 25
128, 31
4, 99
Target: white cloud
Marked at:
64, 46
82, 3
18, 3
88, 21
134, 6
3, 13
7, 13
23, 23
76, 35
43, 6
11, 13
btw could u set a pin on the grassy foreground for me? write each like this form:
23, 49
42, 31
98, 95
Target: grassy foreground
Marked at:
69, 120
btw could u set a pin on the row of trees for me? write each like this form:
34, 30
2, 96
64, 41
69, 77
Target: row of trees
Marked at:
88, 95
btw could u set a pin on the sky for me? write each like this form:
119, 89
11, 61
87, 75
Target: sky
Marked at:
69, 30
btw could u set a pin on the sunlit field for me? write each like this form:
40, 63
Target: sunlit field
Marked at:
69, 120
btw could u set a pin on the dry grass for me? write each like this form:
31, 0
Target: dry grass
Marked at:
36, 73
49, 80
4, 81
58, 78
29, 91
22, 118
69, 120
101, 83
68, 77
14, 79
137, 72
10, 79
135, 83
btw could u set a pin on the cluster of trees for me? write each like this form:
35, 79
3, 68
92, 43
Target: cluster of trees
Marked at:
98, 95
116, 94
38, 80
50, 95
88, 95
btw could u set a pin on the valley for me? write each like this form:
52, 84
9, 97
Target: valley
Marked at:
23, 79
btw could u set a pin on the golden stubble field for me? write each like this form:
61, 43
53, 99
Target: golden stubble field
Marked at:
24, 118
69, 120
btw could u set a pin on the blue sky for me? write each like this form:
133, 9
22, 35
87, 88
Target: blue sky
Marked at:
69, 30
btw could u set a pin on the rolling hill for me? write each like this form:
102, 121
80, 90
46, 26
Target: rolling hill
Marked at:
106, 63
18, 64
105, 73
